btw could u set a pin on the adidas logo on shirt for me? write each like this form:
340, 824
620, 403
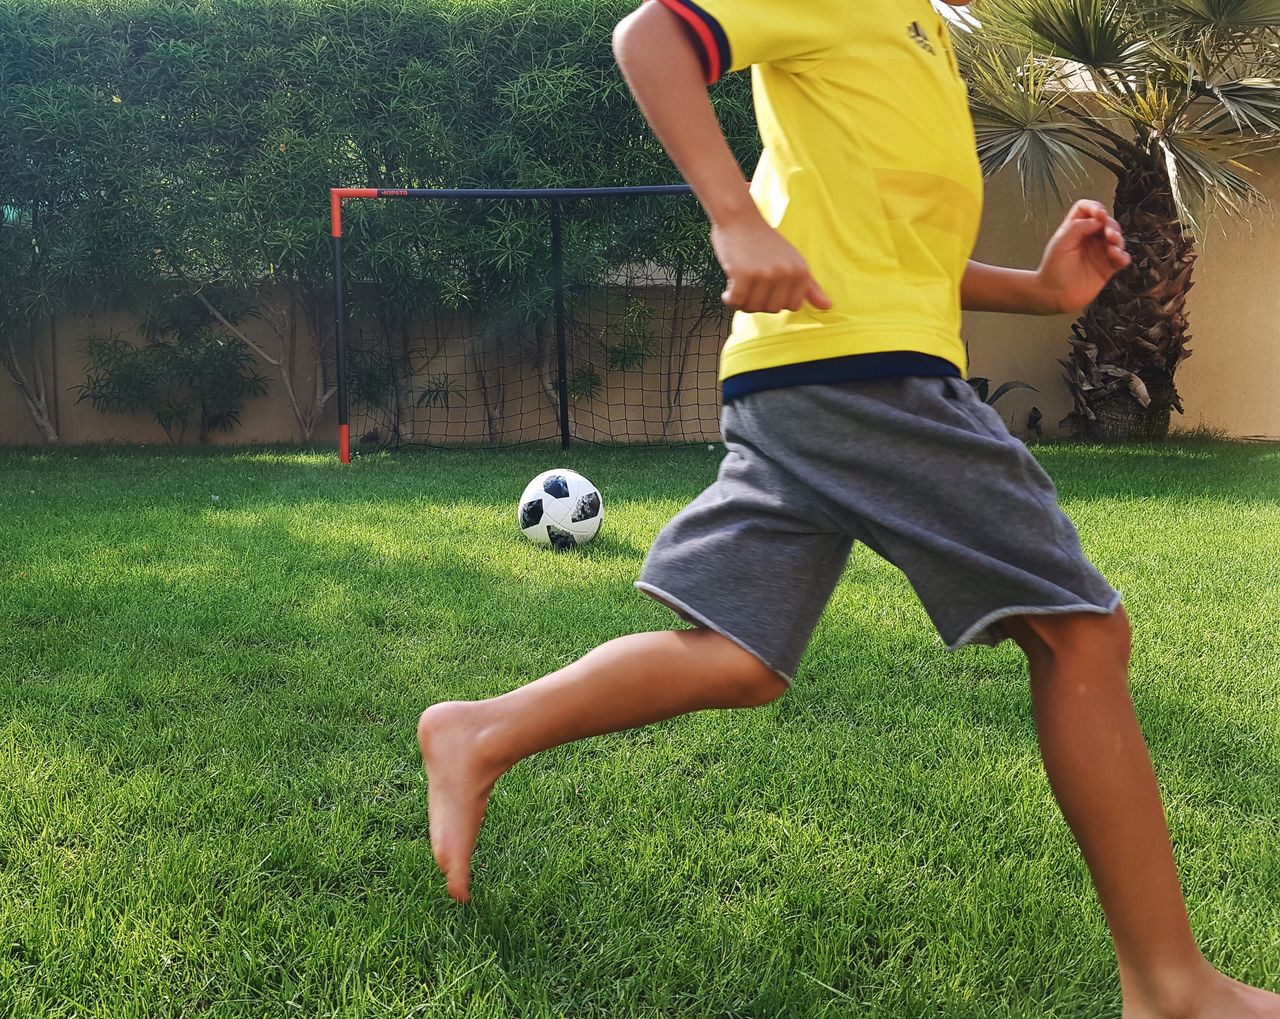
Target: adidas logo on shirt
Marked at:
919, 37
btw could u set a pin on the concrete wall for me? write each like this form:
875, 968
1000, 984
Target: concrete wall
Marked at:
1232, 382
265, 419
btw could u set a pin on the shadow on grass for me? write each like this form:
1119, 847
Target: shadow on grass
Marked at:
271, 669
1240, 472
456, 604
931, 750
61, 485
462, 598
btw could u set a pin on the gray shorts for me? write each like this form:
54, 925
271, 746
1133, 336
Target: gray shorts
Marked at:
917, 469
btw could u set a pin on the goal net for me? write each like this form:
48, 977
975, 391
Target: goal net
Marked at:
509, 317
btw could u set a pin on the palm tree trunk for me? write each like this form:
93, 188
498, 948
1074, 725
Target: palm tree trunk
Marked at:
1129, 342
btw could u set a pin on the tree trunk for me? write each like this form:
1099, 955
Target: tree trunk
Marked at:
493, 396
284, 324
549, 373
1128, 344
29, 380
1120, 417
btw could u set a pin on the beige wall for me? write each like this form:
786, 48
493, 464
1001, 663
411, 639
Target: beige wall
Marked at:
1231, 383
264, 419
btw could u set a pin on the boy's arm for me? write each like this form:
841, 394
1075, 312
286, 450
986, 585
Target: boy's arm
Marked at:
995, 288
663, 69
1087, 250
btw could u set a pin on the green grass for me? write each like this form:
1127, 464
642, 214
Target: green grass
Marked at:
211, 802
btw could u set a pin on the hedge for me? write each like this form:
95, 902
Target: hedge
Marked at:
154, 144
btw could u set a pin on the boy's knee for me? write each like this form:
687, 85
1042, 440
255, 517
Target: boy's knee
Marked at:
749, 682
759, 684
1072, 635
738, 678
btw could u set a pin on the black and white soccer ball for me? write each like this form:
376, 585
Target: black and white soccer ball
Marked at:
560, 509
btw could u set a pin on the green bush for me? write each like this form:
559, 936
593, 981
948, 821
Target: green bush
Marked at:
186, 370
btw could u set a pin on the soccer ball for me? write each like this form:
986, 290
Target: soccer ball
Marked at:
560, 508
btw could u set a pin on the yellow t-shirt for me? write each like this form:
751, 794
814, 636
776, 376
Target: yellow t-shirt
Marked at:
869, 168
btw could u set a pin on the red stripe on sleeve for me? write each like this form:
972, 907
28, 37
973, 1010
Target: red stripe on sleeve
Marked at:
700, 29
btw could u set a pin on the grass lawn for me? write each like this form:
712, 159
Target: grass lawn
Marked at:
211, 802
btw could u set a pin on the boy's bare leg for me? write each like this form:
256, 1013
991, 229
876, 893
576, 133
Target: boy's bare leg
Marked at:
632, 681
1100, 771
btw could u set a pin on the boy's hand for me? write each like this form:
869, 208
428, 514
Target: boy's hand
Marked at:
1081, 257
766, 273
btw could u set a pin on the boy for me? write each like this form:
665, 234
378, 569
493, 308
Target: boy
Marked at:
848, 263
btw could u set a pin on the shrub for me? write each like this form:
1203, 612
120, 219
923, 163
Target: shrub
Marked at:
186, 370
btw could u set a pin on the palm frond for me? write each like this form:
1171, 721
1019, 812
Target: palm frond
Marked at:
1183, 86
1207, 173
1221, 15
1250, 104
1045, 151
1221, 38
1102, 35
1018, 118
1152, 106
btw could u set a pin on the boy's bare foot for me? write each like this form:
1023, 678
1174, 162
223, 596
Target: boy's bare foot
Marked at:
1240, 1001
459, 780
1256, 1003
1223, 998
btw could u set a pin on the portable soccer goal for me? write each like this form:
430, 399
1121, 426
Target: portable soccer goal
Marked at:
509, 316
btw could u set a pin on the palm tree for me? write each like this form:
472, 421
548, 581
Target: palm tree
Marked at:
1172, 97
